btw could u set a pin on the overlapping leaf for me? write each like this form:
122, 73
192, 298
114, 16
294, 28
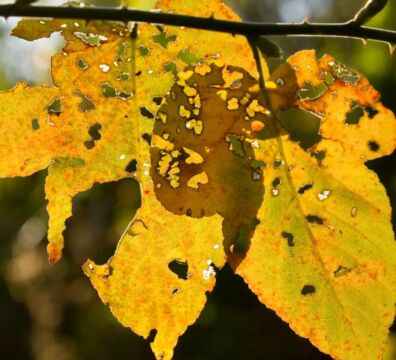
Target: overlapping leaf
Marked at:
323, 256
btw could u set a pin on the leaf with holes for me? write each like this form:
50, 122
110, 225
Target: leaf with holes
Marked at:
97, 126
323, 256
221, 178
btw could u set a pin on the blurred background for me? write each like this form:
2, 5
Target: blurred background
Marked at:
52, 312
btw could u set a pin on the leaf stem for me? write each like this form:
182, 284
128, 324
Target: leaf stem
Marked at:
349, 29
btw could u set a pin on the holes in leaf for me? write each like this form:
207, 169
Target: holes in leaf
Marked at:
164, 40
341, 270
157, 100
341, 71
55, 107
146, 112
152, 335
373, 145
303, 126
95, 135
175, 291
308, 290
289, 237
188, 57
276, 182
315, 219
311, 92
147, 138
171, 67
89, 144
107, 90
94, 131
91, 39
132, 166
143, 50
278, 163
371, 111
35, 124
304, 188
353, 116
180, 268
82, 64
320, 155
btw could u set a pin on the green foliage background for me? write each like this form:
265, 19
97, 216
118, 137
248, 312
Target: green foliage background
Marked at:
53, 312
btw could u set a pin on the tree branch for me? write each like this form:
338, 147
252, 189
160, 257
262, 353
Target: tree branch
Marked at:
369, 10
248, 29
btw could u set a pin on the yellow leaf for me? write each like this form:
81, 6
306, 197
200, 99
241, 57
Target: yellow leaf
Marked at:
78, 129
323, 256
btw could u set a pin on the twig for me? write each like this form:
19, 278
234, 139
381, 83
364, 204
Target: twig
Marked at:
248, 29
368, 11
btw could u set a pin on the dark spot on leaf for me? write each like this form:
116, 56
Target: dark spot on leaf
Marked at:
138, 73
304, 188
315, 219
94, 131
35, 124
132, 166
54, 107
278, 163
157, 100
175, 291
308, 290
289, 237
151, 337
276, 182
146, 112
341, 270
180, 268
373, 145
86, 103
147, 138
89, 144
188, 212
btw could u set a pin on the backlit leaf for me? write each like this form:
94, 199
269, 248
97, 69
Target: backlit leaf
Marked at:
323, 256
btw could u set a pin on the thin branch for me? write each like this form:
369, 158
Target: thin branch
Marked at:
369, 10
248, 29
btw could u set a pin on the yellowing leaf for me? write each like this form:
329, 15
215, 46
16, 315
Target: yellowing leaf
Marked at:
323, 256
308, 230
139, 285
139, 291
76, 129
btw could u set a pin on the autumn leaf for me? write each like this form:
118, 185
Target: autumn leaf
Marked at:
104, 114
221, 178
323, 256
